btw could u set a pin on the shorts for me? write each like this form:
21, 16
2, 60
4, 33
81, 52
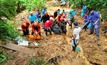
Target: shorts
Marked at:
76, 42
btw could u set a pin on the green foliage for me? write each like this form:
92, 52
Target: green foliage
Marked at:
36, 61
99, 5
34, 4
8, 7
7, 32
4, 57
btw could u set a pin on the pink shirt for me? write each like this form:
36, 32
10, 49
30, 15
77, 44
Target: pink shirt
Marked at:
48, 24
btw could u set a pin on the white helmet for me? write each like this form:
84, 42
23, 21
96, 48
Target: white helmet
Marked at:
51, 18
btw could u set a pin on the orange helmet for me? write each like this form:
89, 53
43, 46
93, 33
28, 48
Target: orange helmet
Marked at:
35, 23
46, 13
61, 19
24, 24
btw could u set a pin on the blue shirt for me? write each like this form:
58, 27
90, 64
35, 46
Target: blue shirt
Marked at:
32, 18
59, 11
86, 18
43, 11
38, 15
94, 16
71, 13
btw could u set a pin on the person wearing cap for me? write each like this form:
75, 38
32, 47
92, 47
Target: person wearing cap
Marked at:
25, 27
95, 20
32, 18
36, 28
71, 16
45, 17
48, 26
75, 36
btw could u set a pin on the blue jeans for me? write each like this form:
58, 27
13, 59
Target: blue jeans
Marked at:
74, 43
94, 27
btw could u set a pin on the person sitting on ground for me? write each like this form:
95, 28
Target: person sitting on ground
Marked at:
45, 17
25, 27
36, 27
48, 26
75, 36
38, 16
32, 18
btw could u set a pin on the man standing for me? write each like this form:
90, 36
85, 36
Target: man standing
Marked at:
32, 18
38, 16
95, 20
45, 17
71, 16
75, 36
48, 26
43, 11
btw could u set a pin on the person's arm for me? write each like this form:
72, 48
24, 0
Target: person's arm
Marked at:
73, 37
96, 21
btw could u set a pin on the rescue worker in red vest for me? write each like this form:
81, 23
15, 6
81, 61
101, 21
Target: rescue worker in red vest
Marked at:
48, 26
36, 27
25, 27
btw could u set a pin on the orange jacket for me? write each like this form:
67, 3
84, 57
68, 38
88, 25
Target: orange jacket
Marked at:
36, 27
25, 25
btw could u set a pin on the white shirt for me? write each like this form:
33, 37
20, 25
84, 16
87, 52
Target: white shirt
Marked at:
76, 31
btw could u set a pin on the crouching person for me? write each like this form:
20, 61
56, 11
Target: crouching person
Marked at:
48, 26
36, 27
25, 27
76, 36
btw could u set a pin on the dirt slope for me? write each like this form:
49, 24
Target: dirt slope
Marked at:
56, 49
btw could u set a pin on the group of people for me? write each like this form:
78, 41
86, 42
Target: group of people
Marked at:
57, 23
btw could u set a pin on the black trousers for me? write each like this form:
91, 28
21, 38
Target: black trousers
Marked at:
71, 21
48, 30
26, 32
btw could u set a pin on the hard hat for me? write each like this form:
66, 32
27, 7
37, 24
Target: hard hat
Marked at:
51, 18
46, 13
31, 12
35, 23
61, 19
24, 24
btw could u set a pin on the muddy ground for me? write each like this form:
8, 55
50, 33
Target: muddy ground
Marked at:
93, 50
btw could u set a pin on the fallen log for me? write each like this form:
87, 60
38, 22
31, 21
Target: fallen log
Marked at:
17, 48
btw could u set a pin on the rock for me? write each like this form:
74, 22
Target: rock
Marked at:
105, 50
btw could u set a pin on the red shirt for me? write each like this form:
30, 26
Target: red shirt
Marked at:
48, 24
36, 27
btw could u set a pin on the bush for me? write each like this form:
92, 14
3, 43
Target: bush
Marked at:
4, 57
37, 61
7, 32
